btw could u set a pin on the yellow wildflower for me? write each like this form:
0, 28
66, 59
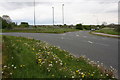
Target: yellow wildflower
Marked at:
92, 74
77, 71
83, 75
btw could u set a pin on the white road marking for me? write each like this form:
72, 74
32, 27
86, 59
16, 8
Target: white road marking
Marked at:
90, 42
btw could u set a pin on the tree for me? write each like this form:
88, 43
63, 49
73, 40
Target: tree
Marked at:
79, 26
5, 25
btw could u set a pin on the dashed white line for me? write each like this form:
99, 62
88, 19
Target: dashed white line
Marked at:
77, 35
90, 42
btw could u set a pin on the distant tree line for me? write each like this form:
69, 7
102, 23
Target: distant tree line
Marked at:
5, 25
96, 27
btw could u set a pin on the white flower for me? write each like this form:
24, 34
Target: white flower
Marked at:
12, 57
73, 77
12, 65
61, 63
10, 73
107, 75
81, 73
50, 65
5, 66
56, 61
98, 65
49, 70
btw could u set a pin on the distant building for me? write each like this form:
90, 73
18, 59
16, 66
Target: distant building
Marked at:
7, 18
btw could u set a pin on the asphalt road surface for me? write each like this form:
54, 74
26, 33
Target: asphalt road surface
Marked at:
97, 48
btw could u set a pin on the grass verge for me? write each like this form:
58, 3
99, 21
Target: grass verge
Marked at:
108, 31
42, 30
29, 58
94, 33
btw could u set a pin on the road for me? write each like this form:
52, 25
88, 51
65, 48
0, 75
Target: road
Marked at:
79, 43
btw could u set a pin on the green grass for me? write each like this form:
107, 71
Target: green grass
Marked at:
42, 30
29, 58
108, 31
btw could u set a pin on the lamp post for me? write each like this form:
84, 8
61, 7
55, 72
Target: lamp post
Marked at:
34, 13
53, 14
63, 14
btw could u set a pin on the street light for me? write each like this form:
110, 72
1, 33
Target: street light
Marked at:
53, 15
34, 13
63, 13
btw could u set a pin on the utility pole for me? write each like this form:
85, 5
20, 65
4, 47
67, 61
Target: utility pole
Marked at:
63, 14
53, 15
119, 13
34, 13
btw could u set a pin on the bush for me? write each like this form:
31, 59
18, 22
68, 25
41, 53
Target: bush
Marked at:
117, 28
87, 27
24, 24
79, 26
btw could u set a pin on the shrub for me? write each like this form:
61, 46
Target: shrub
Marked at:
79, 26
24, 24
117, 28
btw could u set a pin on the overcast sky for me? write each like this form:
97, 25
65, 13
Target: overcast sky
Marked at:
75, 11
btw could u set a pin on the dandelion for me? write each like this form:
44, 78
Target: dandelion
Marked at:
92, 74
33, 49
77, 71
83, 75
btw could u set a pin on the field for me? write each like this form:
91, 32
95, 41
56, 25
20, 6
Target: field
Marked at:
41, 30
108, 31
29, 58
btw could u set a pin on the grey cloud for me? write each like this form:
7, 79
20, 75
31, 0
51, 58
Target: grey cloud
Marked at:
112, 11
18, 5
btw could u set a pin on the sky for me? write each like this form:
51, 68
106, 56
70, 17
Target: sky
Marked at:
87, 12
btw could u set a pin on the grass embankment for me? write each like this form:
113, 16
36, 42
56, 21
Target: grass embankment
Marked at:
108, 31
29, 58
42, 30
